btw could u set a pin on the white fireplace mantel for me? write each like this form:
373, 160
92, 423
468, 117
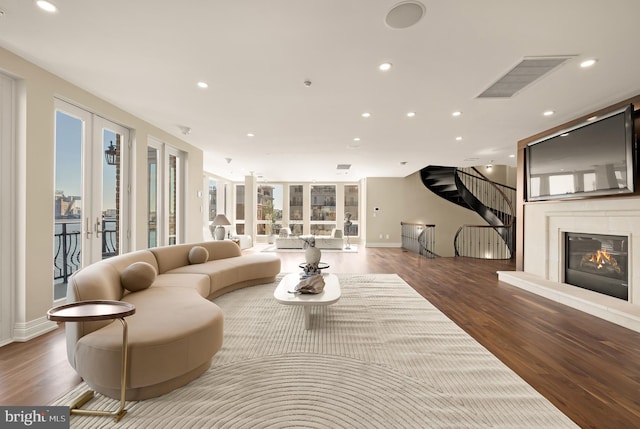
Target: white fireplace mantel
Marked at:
544, 228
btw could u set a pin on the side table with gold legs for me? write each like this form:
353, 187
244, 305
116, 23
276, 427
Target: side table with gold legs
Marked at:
90, 311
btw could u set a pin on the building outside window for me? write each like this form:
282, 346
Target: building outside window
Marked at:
269, 209
239, 215
323, 209
351, 206
213, 199
296, 209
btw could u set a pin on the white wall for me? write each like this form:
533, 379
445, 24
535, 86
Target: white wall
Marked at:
37, 89
408, 200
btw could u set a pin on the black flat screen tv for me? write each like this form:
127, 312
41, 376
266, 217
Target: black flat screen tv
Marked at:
596, 157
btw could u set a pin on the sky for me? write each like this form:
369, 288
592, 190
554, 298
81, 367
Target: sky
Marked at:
68, 175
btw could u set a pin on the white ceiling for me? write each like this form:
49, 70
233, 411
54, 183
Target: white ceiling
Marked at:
147, 56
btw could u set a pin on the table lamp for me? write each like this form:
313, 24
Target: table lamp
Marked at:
218, 221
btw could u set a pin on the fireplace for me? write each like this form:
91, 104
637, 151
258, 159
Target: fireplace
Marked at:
597, 262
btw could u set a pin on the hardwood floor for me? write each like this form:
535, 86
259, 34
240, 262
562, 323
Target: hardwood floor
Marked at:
587, 367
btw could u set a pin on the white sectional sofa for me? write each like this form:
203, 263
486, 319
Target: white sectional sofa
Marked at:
287, 241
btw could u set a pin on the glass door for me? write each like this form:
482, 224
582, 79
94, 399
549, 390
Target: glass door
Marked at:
153, 197
165, 173
89, 210
8, 218
109, 209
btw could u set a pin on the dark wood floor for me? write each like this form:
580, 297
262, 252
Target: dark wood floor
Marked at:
587, 367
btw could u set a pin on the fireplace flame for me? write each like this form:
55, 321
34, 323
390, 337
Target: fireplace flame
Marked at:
601, 257
601, 260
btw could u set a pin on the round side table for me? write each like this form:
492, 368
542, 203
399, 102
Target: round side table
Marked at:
90, 311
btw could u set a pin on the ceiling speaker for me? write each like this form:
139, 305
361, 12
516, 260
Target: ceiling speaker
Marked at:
405, 14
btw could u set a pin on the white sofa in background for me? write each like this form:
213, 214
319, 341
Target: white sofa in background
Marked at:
288, 241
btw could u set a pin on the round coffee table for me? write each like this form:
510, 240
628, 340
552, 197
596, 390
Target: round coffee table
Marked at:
90, 311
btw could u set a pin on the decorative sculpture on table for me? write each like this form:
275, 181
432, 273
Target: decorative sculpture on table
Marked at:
312, 254
347, 228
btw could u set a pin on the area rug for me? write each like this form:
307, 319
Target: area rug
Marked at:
381, 357
352, 249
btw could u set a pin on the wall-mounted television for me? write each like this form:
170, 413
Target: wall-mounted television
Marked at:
596, 157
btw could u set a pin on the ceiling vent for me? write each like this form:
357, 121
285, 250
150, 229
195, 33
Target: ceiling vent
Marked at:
528, 71
343, 166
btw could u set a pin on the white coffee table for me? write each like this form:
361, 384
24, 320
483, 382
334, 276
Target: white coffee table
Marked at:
328, 296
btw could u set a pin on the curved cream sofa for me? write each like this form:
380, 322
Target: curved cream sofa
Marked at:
175, 331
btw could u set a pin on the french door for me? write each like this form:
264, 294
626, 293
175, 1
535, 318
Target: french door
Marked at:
91, 191
165, 187
8, 221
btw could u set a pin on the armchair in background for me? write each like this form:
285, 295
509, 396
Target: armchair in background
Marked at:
246, 241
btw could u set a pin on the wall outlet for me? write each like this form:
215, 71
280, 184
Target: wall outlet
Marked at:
380, 235
387, 236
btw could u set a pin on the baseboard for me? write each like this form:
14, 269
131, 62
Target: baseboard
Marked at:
387, 244
25, 331
605, 307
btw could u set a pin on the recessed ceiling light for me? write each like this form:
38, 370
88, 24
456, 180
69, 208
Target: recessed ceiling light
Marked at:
411, 114
548, 113
385, 66
250, 135
512, 156
366, 115
356, 139
456, 113
203, 85
45, 5
588, 63
458, 138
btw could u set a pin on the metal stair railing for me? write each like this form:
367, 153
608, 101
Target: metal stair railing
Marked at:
497, 239
419, 238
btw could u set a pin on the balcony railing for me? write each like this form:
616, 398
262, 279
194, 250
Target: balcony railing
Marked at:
67, 247
419, 238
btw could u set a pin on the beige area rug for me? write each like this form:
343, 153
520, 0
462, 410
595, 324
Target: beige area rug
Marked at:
381, 357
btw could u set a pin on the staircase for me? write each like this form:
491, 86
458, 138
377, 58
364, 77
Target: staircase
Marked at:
470, 189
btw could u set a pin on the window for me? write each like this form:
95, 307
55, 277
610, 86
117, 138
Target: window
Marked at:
323, 209
152, 196
213, 199
90, 199
296, 204
351, 205
165, 193
269, 209
240, 210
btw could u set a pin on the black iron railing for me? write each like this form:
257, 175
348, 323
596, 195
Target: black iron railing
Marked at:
67, 247
497, 239
419, 238
66, 250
